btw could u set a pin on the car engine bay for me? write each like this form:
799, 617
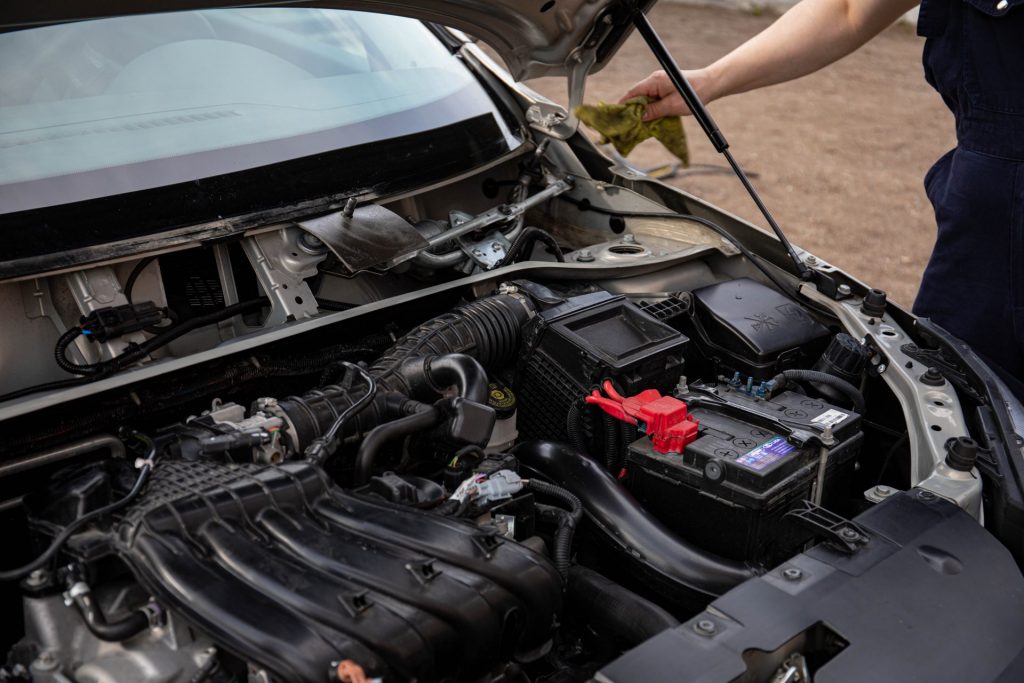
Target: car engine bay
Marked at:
452, 439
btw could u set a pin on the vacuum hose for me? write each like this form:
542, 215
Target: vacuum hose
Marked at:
627, 526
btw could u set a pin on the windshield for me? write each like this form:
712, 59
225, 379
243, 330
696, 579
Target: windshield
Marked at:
98, 108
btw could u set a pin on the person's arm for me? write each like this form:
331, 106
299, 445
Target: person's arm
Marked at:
811, 35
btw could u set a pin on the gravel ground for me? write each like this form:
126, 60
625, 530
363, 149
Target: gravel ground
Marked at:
839, 155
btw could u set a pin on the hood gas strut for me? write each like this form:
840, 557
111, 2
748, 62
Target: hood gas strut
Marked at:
703, 116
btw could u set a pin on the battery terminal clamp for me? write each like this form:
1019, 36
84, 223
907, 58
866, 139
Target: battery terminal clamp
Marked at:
664, 418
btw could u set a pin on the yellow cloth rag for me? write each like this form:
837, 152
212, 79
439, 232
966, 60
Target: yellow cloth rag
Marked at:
624, 127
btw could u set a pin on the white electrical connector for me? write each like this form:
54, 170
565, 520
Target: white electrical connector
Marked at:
483, 489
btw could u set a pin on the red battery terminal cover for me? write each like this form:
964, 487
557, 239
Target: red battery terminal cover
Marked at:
664, 418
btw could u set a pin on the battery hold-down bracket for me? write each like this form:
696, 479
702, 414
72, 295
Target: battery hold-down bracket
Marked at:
664, 418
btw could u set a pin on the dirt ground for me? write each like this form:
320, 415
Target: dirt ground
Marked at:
840, 155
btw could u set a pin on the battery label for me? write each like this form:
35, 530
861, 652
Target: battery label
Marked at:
766, 454
830, 418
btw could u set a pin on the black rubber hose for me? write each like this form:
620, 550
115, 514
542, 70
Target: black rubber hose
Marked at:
428, 377
389, 431
627, 526
613, 608
611, 441
574, 427
129, 283
489, 330
562, 550
524, 242
851, 392
96, 622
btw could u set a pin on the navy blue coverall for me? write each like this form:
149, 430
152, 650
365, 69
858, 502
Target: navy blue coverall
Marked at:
974, 283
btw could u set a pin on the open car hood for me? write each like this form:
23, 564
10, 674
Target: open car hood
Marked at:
534, 38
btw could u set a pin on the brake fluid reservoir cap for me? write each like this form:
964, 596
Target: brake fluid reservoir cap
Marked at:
502, 399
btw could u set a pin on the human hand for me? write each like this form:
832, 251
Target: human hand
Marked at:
666, 100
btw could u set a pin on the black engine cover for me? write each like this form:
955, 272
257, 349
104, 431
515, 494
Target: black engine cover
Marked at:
287, 571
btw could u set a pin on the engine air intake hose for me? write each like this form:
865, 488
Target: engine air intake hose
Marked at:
489, 330
450, 350
627, 525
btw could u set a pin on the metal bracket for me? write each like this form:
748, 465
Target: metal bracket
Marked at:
487, 252
282, 267
840, 532
933, 413
551, 119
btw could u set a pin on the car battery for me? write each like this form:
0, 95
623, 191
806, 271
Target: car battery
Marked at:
752, 461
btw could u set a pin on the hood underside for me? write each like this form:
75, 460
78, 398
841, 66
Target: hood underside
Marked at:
534, 38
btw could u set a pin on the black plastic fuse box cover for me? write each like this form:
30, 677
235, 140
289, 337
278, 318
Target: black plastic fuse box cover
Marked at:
748, 327
752, 461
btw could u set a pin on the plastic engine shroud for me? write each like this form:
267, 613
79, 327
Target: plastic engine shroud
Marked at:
288, 571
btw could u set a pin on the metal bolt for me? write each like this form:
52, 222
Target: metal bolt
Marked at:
705, 627
37, 578
584, 256
311, 244
927, 496
629, 239
849, 534
810, 259
883, 491
792, 574
844, 290
496, 246
46, 661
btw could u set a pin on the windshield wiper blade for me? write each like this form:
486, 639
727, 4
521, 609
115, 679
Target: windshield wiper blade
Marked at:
711, 130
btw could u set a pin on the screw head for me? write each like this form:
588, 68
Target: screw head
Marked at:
844, 290
792, 574
882, 491
629, 239
849, 534
705, 627
810, 259
926, 496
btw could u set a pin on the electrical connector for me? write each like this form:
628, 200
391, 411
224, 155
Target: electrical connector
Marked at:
664, 418
484, 489
115, 321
